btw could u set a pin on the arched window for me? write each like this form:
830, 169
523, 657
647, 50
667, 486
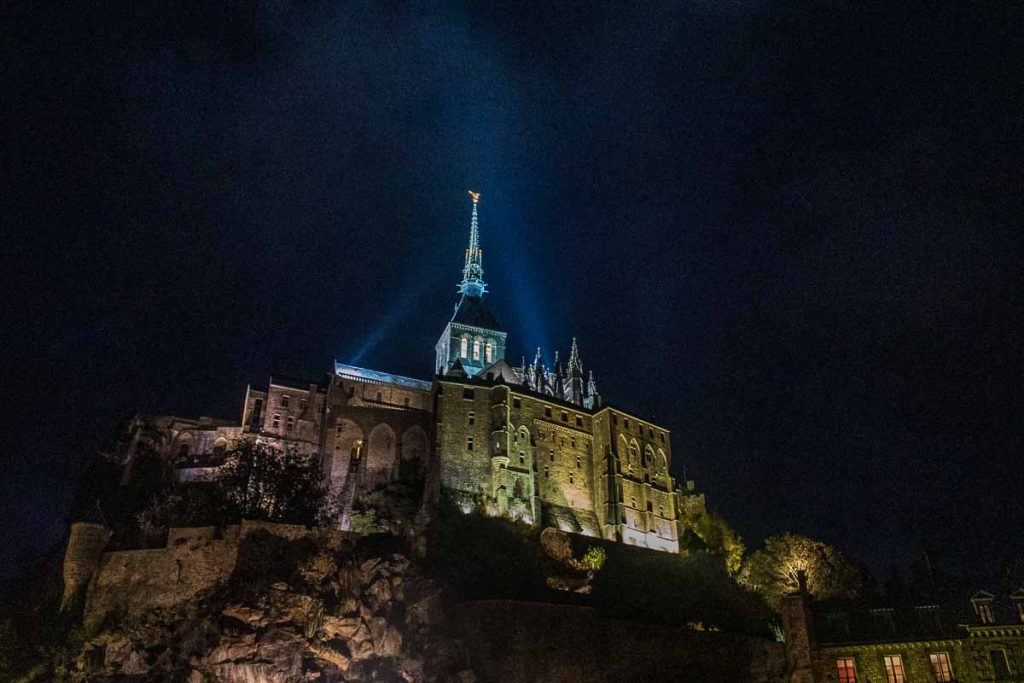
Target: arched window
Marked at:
464, 347
634, 452
476, 349
648, 456
489, 352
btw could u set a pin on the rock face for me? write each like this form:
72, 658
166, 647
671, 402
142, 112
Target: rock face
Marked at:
292, 611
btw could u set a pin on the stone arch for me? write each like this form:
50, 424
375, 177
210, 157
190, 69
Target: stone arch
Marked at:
662, 461
183, 447
649, 460
623, 447
634, 453
348, 446
380, 456
414, 444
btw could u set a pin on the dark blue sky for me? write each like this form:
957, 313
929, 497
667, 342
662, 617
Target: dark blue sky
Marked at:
789, 231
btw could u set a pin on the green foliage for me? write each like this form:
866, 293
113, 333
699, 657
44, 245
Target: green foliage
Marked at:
773, 571
655, 587
389, 508
593, 559
265, 483
481, 557
719, 539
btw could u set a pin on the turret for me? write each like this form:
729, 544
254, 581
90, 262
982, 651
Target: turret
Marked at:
82, 559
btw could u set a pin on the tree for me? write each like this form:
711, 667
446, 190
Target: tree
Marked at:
718, 538
773, 571
263, 482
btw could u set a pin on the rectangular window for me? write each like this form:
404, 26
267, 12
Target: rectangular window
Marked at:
985, 613
302, 404
615, 419
579, 421
565, 416
547, 412
290, 424
572, 441
663, 437
551, 454
847, 669
999, 664
941, 669
516, 403
570, 478
626, 422
472, 418
284, 401
467, 393
894, 669
276, 422
577, 462
545, 470
469, 443
522, 458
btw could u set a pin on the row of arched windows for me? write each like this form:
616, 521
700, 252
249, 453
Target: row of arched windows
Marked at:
479, 346
657, 461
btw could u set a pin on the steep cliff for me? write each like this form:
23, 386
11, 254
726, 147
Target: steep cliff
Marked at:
292, 609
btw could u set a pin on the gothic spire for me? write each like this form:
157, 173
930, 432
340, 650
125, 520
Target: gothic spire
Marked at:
575, 365
473, 272
591, 386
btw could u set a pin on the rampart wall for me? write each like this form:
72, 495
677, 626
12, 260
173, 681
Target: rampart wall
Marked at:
132, 582
522, 642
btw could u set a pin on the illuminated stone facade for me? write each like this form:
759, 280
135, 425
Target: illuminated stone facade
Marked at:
531, 442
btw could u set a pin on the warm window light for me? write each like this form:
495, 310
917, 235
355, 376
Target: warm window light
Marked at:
894, 669
941, 669
847, 669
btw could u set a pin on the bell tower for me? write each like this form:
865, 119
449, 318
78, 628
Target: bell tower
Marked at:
473, 336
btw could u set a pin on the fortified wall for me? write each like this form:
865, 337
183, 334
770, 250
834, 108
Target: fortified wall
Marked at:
132, 582
522, 642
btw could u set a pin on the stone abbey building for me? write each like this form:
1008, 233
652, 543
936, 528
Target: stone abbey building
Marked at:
530, 441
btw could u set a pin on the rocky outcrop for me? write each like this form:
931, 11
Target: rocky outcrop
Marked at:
306, 612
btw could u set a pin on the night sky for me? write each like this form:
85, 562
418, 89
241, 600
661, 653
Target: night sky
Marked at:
790, 232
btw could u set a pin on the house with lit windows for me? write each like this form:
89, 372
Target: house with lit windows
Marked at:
972, 641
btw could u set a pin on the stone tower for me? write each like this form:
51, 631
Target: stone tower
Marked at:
473, 336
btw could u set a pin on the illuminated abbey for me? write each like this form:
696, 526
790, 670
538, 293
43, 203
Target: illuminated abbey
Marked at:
531, 441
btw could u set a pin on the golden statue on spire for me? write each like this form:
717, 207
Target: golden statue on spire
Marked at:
475, 196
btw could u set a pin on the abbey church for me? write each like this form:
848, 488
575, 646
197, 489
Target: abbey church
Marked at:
531, 441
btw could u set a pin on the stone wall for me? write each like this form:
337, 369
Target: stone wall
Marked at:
515, 642
132, 582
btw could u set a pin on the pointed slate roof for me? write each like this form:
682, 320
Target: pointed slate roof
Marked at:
472, 311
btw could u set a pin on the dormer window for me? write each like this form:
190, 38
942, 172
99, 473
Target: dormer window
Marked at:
476, 349
489, 352
982, 602
1017, 597
464, 347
